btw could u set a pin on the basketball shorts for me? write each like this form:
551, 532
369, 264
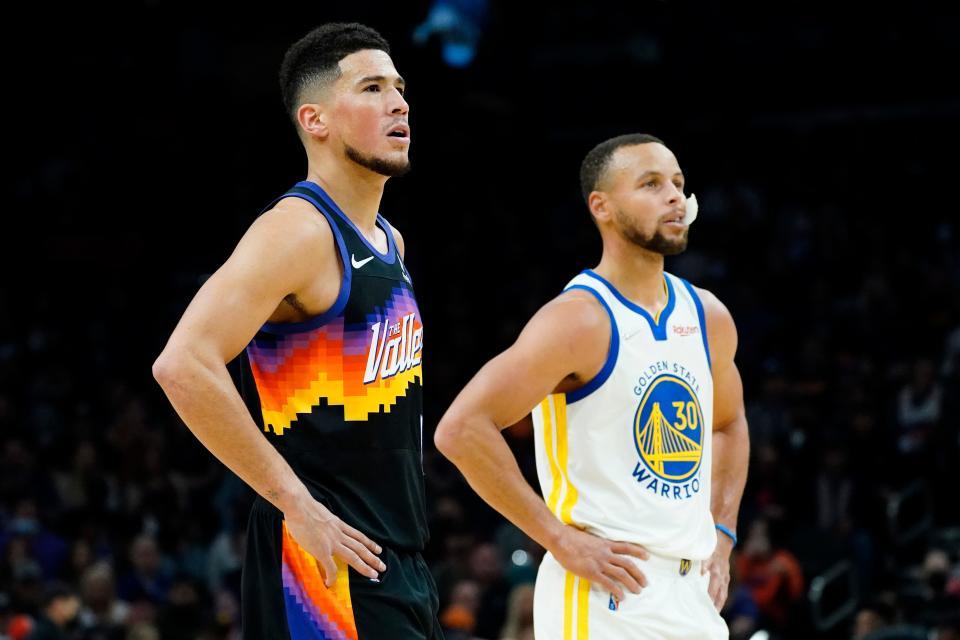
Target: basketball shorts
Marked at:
675, 605
284, 597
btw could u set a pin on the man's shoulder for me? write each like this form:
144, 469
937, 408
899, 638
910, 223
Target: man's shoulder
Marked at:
292, 221
712, 306
720, 327
575, 314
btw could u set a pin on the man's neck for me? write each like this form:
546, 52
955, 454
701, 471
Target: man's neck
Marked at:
636, 273
355, 189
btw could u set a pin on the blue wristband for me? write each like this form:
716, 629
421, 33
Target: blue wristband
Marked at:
730, 534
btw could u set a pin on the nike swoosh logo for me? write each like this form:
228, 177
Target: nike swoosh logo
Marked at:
359, 263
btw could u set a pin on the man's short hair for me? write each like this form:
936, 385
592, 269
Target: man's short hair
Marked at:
595, 164
313, 60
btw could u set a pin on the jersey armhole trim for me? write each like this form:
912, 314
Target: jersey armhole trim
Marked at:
323, 198
703, 321
283, 328
612, 353
392, 240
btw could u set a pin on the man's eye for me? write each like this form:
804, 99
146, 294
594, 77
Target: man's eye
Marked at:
373, 88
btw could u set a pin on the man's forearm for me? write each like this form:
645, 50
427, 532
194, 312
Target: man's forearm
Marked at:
208, 403
731, 454
477, 448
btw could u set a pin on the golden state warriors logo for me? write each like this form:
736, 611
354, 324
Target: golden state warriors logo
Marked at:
668, 435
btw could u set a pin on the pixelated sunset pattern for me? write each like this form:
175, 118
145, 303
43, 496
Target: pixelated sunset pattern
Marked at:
294, 371
315, 612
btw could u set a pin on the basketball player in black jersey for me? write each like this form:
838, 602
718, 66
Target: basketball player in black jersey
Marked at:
328, 429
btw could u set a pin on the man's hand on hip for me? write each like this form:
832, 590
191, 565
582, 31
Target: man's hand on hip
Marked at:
325, 536
603, 562
718, 566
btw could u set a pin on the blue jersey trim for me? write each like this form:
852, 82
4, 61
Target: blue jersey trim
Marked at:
403, 265
346, 281
612, 354
703, 320
390, 256
659, 330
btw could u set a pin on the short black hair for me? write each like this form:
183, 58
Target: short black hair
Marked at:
316, 57
595, 164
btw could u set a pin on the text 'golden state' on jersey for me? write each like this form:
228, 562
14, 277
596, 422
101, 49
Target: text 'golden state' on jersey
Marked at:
628, 455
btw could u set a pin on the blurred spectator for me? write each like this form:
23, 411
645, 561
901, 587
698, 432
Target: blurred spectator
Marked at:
184, 616
937, 601
142, 631
82, 486
519, 622
32, 541
103, 616
740, 610
948, 628
59, 608
225, 561
459, 24
459, 618
772, 575
486, 569
147, 578
919, 404
872, 617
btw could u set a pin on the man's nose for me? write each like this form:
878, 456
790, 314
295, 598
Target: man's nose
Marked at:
398, 105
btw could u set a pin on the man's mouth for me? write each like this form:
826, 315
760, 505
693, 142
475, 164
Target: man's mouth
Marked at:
399, 131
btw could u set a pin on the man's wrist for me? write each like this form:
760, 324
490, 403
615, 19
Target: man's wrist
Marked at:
288, 498
724, 544
553, 535
726, 533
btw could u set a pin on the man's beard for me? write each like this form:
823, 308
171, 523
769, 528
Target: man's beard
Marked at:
657, 243
379, 165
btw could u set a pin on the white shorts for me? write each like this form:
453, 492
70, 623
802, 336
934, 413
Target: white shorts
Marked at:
671, 607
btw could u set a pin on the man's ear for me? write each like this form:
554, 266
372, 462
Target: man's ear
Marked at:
313, 120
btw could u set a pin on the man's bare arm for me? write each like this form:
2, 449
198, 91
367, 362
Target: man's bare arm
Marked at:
281, 253
570, 335
731, 440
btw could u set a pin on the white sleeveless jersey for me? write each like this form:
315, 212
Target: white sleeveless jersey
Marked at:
628, 455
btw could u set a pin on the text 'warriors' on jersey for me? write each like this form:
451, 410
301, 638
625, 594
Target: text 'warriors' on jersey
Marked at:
628, 456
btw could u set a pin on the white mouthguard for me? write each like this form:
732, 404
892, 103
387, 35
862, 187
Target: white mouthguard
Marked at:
692, 208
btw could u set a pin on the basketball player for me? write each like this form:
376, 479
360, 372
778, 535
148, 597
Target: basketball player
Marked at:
641, 441
317, 295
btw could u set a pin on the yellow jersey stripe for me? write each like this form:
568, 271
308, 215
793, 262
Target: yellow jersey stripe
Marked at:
560, 407
666, 304
554, 497
568, 607
583, 608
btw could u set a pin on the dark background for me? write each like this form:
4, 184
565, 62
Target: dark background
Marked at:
142, 142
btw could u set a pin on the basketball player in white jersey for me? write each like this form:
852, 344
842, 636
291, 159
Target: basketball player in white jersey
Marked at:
638, 413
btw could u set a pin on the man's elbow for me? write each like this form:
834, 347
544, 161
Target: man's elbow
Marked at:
167, 368
449, 437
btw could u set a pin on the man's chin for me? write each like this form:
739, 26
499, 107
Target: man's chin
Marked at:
385, 166
674, 249
394, 169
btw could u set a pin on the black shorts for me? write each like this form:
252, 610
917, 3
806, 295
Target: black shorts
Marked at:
284, 597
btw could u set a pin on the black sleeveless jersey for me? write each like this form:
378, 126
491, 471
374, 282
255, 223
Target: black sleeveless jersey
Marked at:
340, 395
